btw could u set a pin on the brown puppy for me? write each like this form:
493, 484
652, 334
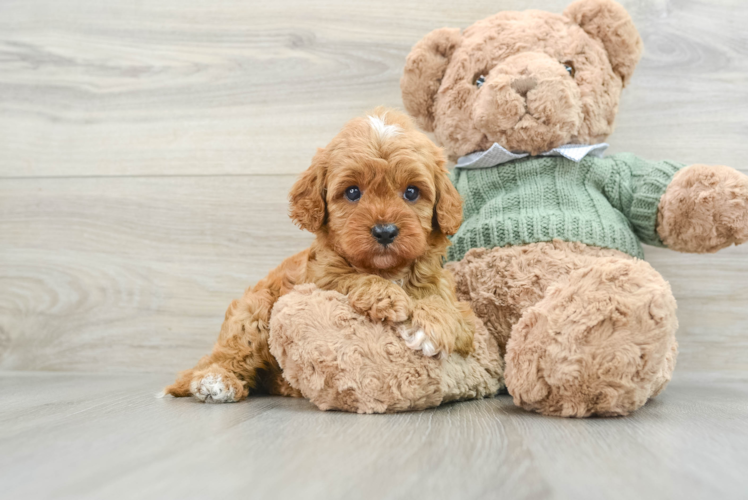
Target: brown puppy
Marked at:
381, 205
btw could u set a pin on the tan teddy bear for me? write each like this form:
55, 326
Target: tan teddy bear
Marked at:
549, 252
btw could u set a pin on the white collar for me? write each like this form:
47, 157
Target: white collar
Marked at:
496, 155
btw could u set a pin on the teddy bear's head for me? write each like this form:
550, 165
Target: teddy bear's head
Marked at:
529, 81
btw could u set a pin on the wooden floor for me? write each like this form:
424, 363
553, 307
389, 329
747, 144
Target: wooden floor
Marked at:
107, 437
146, 152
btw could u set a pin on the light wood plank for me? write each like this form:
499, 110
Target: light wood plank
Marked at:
132, 273
92, 436
187, 87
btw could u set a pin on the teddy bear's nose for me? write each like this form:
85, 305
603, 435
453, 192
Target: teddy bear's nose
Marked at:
524, 85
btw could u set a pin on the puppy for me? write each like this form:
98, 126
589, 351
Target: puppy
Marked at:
381, 206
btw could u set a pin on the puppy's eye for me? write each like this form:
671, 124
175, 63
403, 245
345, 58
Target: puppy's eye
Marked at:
352, 193
480, 81
411, 193
569, 66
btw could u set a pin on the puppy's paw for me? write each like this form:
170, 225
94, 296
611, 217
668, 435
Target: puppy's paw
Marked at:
418, 340
214, 388
439, 329
389, 303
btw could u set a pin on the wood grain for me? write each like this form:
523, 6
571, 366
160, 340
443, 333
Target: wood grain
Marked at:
132, 273
146, 149
105, 436
215, 87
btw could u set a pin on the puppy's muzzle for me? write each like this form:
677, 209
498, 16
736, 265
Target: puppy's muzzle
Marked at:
385, 233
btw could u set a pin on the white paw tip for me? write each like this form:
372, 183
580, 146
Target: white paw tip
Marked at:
211, 389
161, 394
419, 341
416, 340
428, 348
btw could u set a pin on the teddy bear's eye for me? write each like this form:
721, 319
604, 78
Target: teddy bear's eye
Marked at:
480, 81
570, 68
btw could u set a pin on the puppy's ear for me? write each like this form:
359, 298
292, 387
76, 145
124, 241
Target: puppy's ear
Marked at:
308, 207
608, 22
448, 208
424, 70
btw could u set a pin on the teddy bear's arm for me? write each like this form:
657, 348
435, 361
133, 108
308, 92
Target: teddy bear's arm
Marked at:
634, 187
704, 209
695, 209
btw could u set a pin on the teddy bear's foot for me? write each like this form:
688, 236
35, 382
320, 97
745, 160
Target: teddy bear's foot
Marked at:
600, 343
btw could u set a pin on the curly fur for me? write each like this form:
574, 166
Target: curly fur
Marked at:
339, 360
550, 107
585, 330
704, 209
382, 154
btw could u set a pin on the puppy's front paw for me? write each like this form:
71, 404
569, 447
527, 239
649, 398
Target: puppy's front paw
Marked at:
438, 329
214, 388
418, 340
389, 303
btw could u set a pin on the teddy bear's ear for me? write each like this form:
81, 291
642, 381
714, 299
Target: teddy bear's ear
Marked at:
607, 21
308, 207
424, 70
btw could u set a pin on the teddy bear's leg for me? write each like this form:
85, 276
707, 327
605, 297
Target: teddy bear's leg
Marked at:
341, 360
502, 283
599, 343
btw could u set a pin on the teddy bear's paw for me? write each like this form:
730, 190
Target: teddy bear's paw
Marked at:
213, 388
418, 340
704, 209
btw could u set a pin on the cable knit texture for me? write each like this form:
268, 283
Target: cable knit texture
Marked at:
606, 202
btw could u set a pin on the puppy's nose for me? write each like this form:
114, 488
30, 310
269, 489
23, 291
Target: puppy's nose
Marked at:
524, 85
385, 233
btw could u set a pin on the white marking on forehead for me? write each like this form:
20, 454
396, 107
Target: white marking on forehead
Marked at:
382, 129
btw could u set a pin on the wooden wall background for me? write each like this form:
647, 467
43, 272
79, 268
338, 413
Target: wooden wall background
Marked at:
146, 149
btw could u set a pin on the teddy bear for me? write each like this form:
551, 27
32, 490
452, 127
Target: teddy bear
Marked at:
549, 253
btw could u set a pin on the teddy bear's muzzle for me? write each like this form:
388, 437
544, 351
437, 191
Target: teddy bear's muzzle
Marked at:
529, 103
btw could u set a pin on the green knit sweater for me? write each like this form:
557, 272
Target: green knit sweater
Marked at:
607, 202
